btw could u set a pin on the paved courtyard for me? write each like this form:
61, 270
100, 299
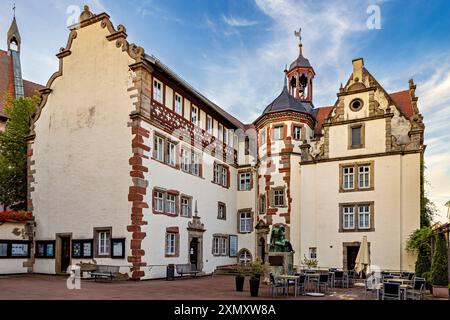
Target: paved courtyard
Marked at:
217, 287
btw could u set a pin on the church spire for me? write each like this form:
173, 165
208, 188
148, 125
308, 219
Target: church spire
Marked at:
13, 36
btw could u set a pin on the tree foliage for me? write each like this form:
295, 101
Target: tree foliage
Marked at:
439, 266
13, 152
427, 207
420, 242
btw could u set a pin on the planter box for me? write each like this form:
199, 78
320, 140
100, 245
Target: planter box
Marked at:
440, 292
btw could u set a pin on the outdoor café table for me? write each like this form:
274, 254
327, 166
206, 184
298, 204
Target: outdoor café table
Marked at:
402, 281
310, 276
286, 279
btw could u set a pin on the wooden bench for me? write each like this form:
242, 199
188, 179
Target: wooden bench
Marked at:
187, 269
105, 272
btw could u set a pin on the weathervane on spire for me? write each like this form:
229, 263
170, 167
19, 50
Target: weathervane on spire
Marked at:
298, 34
14, 10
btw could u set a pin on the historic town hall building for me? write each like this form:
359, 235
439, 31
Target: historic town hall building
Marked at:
131, 166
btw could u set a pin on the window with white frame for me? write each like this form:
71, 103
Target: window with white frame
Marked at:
278, 133
278, 197
364, 177
348, 178
171, 204
245, 222
157, 91
245, 257
186, 207
209, 125
364, 217
220, 245
263, 137
186, 160
195, 164
171, 154
104, 238
158, 197
313, 253
297, 133
220, 175
223, 246
348, 218
224, 177
158, 151
217, 173
220, 133
245, 180
178, 104
194, 115
230, 138
262, 204
171, 244
222, 211
225, 136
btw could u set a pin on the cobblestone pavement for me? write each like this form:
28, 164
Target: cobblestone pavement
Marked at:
44, 287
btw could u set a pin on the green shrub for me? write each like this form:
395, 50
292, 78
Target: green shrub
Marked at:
420, 242
439, 265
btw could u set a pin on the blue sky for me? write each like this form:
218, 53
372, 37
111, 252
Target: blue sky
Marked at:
235, 51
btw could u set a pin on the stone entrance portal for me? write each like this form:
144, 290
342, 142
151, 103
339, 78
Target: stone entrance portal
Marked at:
196, 229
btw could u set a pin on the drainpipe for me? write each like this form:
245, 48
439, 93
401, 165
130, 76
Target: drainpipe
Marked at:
401, 209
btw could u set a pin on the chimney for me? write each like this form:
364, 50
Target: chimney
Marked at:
358, 65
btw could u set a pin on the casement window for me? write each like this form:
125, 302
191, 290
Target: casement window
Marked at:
186, 160
171, 154
157, 91
222, 211
165, 202
158, 200
245, 222
195, 115
221, 174
171, 244
220, 133
245, 181
11, 249
349, 218
262, 204
230, 138
247, 145
171, 204
313, 253
158, 150
297, 133
209, 125
44, 250
357, 217
262, 137
364, 177
220, 245
356, 136
178, 104
364, 217
104, 243
196, 163
278, 133
278, 197
186, 207
225, 136
357, 177
348, 178
245, 257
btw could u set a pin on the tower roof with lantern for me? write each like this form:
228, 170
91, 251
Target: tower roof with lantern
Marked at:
290, 98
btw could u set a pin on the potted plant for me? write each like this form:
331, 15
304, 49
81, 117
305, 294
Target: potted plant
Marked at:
240, 277
256, 269
310, 263
439, 268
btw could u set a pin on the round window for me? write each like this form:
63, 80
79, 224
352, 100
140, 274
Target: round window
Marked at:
356, 105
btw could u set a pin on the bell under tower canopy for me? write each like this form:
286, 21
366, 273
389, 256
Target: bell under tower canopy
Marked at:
13, 36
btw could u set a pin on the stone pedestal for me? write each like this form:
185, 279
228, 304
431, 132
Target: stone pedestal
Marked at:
281, 262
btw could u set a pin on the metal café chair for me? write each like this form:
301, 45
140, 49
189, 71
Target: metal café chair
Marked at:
275, 285
341, 278
417, 290
301, 284
324, 282
391, 291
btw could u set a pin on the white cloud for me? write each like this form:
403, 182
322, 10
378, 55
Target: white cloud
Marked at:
239, 22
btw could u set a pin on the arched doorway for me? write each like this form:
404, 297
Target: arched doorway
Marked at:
262, 249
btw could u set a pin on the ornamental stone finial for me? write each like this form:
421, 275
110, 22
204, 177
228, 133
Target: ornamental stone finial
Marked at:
86, 14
